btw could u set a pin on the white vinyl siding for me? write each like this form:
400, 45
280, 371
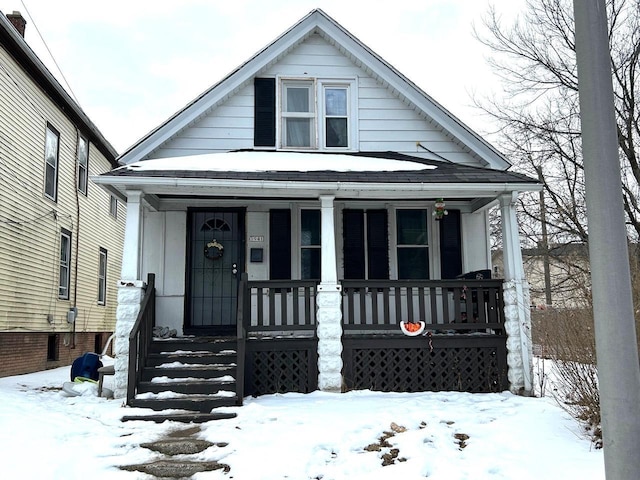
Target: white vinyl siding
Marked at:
384, 122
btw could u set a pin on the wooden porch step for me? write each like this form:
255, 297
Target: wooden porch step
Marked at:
198, 357
191, 344
193, 403
186, 370
202, 387
185, 417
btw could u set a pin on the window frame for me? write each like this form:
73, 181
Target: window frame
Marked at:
318, 87
426, 246
102, 276
113, 206
64, 265
82, 164
51, 168
312, 246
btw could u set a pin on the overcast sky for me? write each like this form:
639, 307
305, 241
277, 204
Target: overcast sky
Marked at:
132, 64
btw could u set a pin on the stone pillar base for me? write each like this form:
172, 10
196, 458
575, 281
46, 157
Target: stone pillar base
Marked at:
329, 316
130, 295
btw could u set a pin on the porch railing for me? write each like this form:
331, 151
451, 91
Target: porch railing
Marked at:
444, 305
461, 306
279, 305
140, 337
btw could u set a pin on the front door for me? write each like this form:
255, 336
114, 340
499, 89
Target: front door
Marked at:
216, 259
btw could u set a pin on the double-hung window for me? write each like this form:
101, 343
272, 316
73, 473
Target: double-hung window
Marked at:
102, 277
65, 264
113, 206
51, 152
83, 163
412, 244
298, 114
310, 241
314, 114
336, 116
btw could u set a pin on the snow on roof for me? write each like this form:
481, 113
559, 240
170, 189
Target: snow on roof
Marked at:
252, 161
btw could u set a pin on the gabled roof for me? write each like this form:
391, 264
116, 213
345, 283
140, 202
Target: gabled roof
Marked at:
18, 48
319, 22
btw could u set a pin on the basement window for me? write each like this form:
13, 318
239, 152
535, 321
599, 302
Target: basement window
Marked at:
53, 348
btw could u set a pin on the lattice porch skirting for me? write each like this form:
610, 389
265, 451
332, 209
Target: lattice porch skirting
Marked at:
281, 365
467, 363
457, 363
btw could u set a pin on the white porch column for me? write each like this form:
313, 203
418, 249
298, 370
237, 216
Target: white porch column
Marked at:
130, 290
516, 302
328, 299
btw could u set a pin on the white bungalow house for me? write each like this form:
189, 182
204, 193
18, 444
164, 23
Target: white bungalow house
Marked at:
298, 213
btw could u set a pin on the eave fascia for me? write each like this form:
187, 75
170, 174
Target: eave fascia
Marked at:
252, 188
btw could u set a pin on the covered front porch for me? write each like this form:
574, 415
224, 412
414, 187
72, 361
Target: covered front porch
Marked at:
335, 263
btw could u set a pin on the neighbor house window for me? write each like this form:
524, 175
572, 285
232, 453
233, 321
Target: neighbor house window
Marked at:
65, 264
314, 114
51, 152
310, 244
113, 206
412, 244
83, 163
102, 277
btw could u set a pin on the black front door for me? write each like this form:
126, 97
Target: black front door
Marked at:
216, 259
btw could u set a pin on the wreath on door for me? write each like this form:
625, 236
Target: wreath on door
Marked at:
213, 250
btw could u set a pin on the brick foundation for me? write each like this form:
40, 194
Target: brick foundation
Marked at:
22, 353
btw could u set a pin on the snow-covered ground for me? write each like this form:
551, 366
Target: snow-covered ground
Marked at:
45, 434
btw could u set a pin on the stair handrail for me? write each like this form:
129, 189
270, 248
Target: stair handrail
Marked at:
241, 311
140, 337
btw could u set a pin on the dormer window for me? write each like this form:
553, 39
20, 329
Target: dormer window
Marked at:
305, 114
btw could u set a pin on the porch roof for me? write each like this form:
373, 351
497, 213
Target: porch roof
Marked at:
382, 174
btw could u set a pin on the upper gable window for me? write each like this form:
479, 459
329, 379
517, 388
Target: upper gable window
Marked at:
305, 114
298, 115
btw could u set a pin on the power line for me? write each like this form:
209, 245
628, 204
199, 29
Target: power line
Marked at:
49, 51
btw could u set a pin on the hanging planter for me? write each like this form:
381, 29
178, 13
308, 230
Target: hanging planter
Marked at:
439, 210
412, 329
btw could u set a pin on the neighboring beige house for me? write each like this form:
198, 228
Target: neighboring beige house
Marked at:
60, 235
558, 277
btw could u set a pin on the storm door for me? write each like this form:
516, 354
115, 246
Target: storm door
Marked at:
216, 259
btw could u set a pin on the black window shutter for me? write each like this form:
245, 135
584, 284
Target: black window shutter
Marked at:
378, 244
353, 238
280, 244
450, 245
264, 117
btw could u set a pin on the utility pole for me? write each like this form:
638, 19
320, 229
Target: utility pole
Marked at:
616, 346
545, 242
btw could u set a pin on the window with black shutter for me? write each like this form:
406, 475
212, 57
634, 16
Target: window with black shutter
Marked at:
264, 119
365, 244
450, 245
280, 244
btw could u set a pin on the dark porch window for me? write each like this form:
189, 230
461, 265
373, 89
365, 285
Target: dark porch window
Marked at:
412, 244
365, 244
310, 244
280, 244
